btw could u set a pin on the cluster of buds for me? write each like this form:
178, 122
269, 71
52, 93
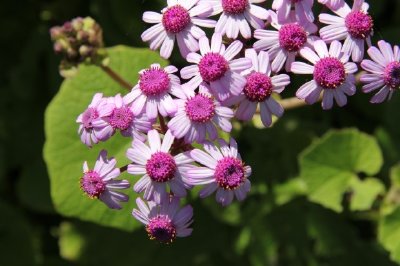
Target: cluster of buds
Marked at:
78, 41
164, 114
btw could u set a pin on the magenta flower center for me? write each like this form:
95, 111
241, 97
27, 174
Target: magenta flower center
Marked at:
154, 81
359, 24
161, 167
162, 229
200, 108
88, 116
392, 75
229, 173
234, 6
258, 87
329, 73
121, 118
92, 184
175, 19
212, 67
292, 37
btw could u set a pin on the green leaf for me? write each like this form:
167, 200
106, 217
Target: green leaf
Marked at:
389, 233
365, 193
65, 154
329, 165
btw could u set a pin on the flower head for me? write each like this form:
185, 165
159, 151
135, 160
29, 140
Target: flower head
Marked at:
152, 94
199, 115
164, 222
383, 71
216, 66
333, 74
302, 8
179, 21
237, 15
284, 43
123, 119
258, 90
223, 171
158, 167
100, 182
99, 108
354, 25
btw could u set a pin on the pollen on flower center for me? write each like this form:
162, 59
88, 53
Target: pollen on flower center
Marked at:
161, 228
392, 75
161, 167
329, 73
88, 116
258, 87
175, 19
92, 184
154, 81
359, 24
292, 37
212, 67
121, 118
234, 6
229, 173
200, 108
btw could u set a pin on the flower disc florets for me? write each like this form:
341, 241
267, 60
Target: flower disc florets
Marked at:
175, 19
154, 81
200, 108
392, 75
92, 184
292, 37
212, 67
229, 173
329, 73
235, 6
161, 167
258, 87
121, 118
161, 228
359, 24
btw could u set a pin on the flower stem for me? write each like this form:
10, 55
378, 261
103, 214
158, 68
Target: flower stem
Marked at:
292, 103
116, 77
163, 126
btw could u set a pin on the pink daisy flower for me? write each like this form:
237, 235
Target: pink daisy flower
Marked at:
302, 8
123, 119
199, 115
178, 21
333, 74
258, 90
236, 16
164, 222
355, 26
100, 182
158, 167
383, 71
284, 43
223, 171
152, 93
216, 66
332, 4
97, 109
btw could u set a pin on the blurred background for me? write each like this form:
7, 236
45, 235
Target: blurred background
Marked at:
271, 228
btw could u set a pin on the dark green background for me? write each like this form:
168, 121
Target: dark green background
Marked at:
261, 233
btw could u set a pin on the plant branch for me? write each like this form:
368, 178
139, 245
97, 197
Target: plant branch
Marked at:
116, 77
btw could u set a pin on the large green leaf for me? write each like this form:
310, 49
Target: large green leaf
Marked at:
389, 233
330, 165
65, 154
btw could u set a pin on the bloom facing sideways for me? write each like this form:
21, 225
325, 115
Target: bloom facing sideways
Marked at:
258, 90
199, 115
122, 119
164, 222
383, 71
97, 109
158, 167
152, 93
216, 66
333, 75
302, 8
355, 26
223, 171
236, 16
178, 21
284, 44
100, 182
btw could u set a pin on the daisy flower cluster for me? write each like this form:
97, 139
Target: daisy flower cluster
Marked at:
174, 117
